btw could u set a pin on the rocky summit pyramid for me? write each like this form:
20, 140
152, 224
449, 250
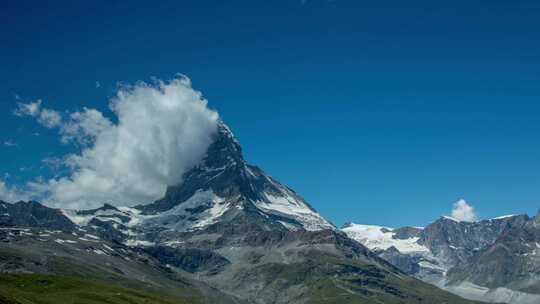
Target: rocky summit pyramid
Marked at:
228, 233
223, 184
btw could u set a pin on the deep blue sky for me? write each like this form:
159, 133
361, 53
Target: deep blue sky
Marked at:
381, 112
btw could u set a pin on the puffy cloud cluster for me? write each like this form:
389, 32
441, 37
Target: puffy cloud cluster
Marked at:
464, 212
84, 127
161, 130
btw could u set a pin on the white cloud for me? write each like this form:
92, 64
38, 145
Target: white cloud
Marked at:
161, 131
49, 118
463, 211
46, 117
29, 109
84, 126
11, 194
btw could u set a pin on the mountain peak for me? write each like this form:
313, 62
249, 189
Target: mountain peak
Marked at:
232, 185
446, 217
536, 218
347, 225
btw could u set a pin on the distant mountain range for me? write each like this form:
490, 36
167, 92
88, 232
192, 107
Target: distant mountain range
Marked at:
229, 233
495, 260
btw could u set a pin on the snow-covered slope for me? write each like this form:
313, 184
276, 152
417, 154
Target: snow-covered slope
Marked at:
280, 200
402, 248
381, 238
208, 206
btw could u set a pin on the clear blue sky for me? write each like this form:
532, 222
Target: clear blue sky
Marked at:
382, 112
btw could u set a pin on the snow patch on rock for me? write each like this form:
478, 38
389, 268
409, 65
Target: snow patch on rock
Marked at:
382, 238
285, 204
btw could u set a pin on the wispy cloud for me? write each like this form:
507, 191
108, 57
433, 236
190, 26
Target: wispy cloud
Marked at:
53, 163
30, 109
46, 117
10, 143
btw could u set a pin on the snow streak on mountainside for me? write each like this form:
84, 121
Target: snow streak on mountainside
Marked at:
402, 248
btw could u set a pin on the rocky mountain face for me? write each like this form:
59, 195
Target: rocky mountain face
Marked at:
509, 267
491, 260
79, 254
33, 214
228, 233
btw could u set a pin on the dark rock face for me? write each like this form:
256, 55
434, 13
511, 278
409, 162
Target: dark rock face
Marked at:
33, 214
105, 207
405, 262
457, 242
407, 233
191, 260
107, 230
513, 259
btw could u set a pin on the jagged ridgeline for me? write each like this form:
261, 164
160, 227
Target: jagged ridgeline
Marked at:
228, 233
494, 260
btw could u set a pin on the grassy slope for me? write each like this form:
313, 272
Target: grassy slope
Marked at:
330, 280
368, 285
45, 289
43, 262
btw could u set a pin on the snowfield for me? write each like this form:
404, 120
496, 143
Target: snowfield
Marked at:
382, 238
